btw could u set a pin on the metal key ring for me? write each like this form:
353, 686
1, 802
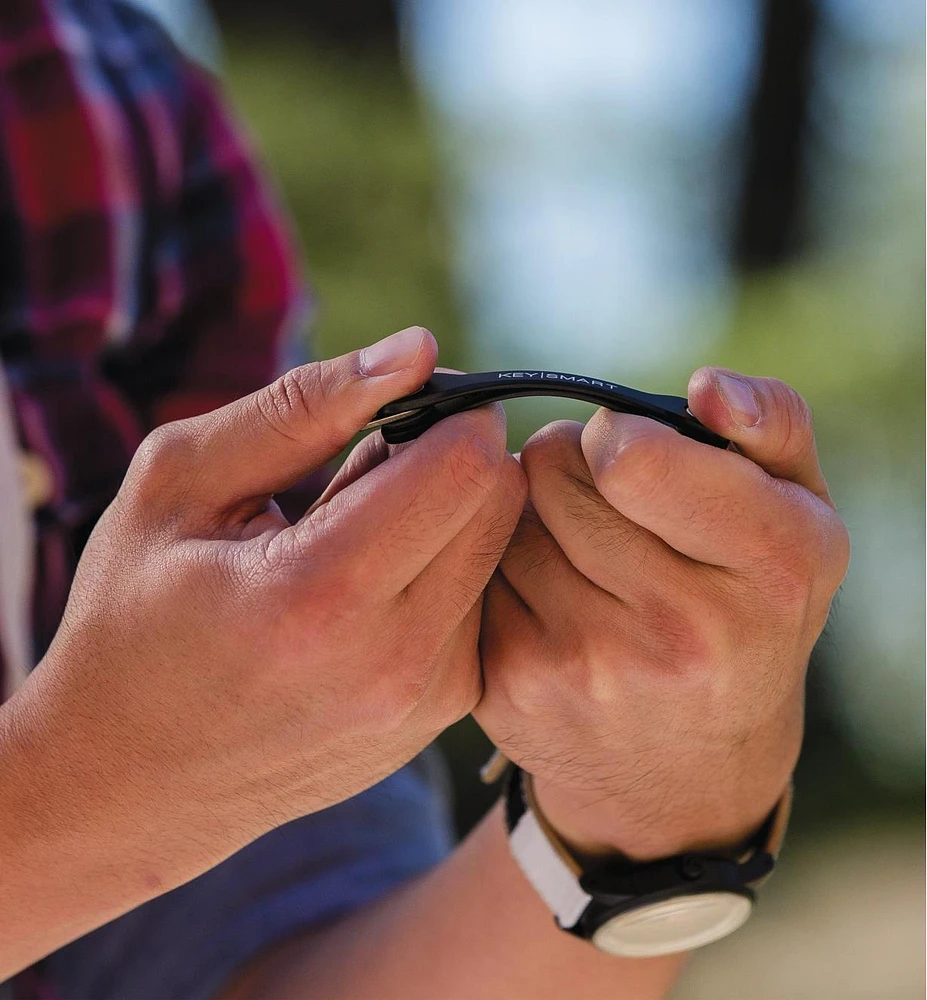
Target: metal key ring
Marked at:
445, 394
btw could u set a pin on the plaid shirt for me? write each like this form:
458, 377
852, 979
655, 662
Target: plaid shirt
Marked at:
145, 273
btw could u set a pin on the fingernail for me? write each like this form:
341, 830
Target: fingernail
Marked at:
393, 353
741, 400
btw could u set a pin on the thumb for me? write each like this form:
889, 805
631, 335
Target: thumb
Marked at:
264, 443
767, 420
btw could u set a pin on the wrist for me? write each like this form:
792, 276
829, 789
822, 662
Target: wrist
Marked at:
640, 908
592, 824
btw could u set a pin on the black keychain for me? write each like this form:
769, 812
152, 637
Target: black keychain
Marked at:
444, 394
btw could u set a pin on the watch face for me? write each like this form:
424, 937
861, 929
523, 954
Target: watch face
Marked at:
673, 925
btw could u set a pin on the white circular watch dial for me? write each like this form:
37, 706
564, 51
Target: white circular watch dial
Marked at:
673, 925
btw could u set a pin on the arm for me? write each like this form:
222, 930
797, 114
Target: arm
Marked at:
643, 648
220, 671
472, 927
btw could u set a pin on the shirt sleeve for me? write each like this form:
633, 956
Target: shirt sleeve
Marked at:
224, 307
223, 304
187, 944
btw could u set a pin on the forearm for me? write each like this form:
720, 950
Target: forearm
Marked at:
58, 876
79, 842
473, 927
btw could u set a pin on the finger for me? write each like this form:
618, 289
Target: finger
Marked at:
454, 683
536, 569
612, 551
384, 528
714, 506
768, 421
366, 455
534, 610
452, 583
268, 441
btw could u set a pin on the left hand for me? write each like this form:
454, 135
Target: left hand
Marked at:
645, 638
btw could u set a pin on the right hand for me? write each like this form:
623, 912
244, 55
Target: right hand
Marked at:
219, 671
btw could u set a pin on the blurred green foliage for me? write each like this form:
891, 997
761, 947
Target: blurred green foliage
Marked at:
348, 144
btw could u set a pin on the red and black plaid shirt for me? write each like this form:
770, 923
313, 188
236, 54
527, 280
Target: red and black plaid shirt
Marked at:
145, 272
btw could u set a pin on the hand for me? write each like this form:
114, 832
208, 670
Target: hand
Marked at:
219, 671
646, 636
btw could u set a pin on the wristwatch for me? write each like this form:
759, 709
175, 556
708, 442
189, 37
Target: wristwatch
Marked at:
639, 909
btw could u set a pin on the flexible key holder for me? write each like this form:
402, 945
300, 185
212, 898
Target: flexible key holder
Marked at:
445, 394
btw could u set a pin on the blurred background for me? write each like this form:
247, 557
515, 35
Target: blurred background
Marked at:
631, 190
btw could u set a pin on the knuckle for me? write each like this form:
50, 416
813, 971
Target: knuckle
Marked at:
160, 462
557, 443
324, 381
393, 697
160, 446
496, 530
473, 464
838, 550
514, 485
641, 464
513, 664
278, 400
593, 674
586, 673
830, 558
678, 644
809, 552
797, 422
787, 529
290, 395
485, 422
508, 503
525, 686
298, 399
534, 449
789, 578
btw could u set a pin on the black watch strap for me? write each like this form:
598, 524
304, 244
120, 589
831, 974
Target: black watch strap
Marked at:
585, 895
